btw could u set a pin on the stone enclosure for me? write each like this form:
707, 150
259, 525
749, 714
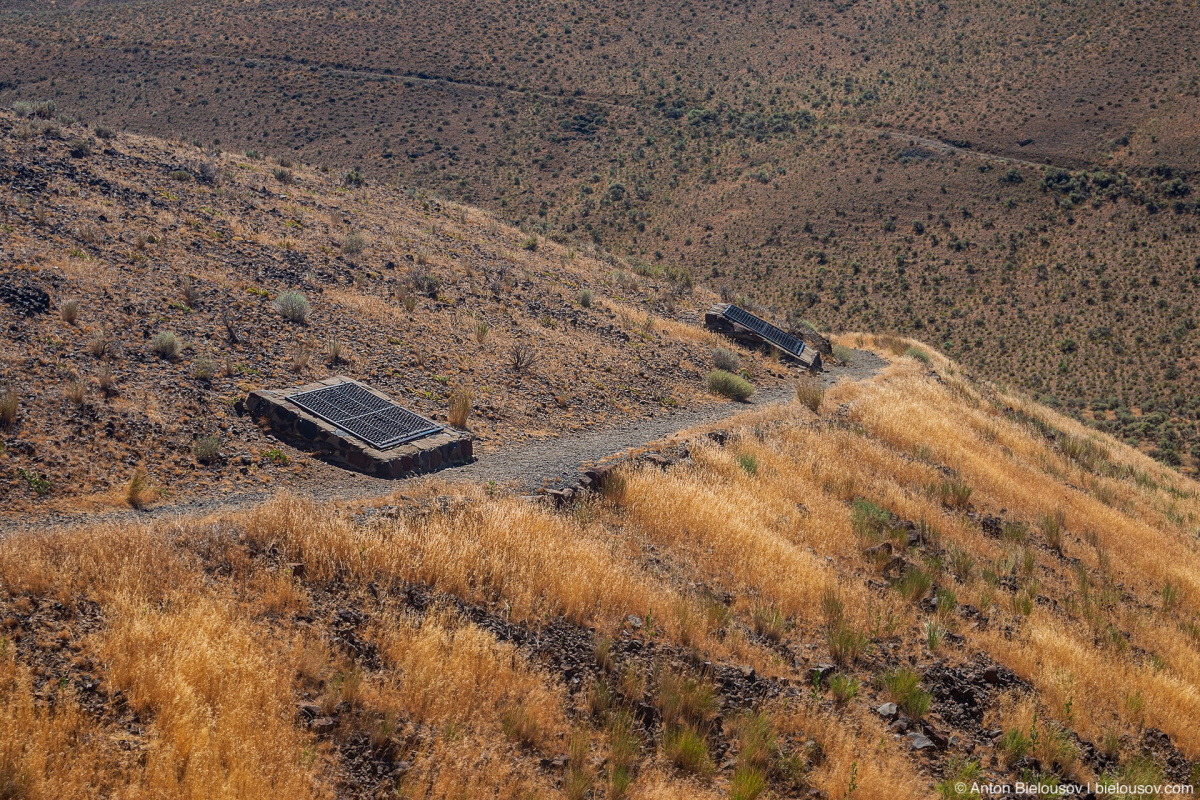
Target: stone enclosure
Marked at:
309, 432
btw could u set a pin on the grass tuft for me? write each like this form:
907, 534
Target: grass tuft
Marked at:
903, 687
810, 393
460, 407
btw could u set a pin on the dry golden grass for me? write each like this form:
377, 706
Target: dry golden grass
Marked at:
48, 752
855, 750
533, 560
201, 634
447, 669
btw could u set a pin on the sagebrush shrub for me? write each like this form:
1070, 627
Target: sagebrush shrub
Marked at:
292, 305
726, 384
166, 345
726, 359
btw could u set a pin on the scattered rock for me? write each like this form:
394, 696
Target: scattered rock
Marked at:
888, 711
920, 742
879, 551
820, 673
24, 297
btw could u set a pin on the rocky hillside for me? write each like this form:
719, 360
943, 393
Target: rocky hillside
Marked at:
146, 287
907, 586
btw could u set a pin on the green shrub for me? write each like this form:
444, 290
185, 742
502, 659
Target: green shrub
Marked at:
934, 633
843, 354
1015, 532
353, 179
729, 385
519, 725
683, 699
181, 175
869, 520
166, 345
1052, 526
952, 494
962, 564
36, 481
747, 783
947, 601
585, 298
1014, 746
960, 775
845, 643
293, 305
918, 354
748, 462
913, 584
282, 174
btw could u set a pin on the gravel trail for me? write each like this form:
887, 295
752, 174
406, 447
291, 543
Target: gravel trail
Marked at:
524, 467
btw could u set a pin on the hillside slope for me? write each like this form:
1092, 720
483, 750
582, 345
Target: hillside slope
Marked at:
110, 245
1024, 590
1015, 184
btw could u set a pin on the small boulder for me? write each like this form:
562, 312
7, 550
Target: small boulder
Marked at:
920, 742
888, 711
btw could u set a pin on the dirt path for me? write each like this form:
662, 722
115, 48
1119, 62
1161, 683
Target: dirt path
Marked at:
524, 467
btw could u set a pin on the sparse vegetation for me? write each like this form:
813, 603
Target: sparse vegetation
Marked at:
213, 630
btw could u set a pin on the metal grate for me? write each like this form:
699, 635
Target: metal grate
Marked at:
376, 420
781, 339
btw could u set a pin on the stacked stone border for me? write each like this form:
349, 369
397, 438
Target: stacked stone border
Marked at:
295, 425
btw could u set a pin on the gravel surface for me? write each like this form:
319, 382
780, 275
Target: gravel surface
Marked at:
524, 467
